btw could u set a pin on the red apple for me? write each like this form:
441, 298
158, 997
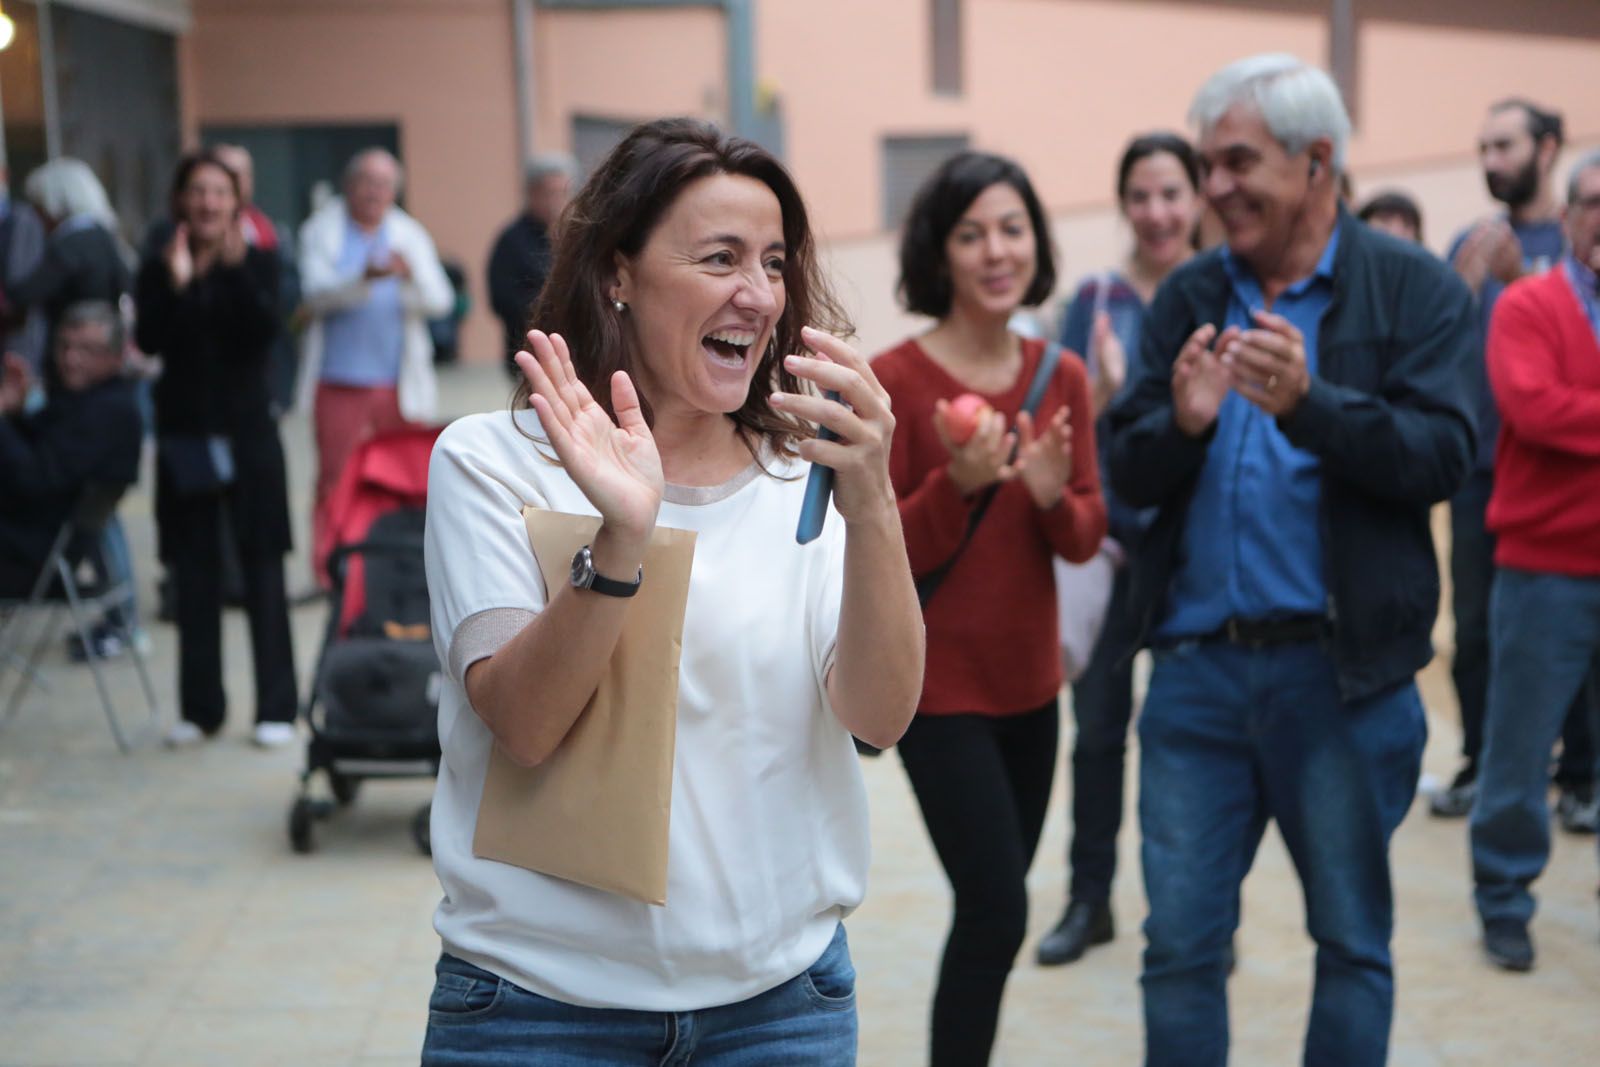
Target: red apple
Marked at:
961, 418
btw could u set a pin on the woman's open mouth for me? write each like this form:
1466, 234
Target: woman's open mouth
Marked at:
729, 348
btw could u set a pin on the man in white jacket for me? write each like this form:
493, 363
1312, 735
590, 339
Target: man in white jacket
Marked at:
370, 279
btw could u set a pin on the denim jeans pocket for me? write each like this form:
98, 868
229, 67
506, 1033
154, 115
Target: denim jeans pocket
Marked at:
831, 981
464, 992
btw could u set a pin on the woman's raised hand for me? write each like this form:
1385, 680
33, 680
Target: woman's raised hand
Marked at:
1044, 459
615, 463
980, 460
1109, 360
179, 260
861, 417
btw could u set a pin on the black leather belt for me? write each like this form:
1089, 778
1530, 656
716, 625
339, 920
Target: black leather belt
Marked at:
1265, 633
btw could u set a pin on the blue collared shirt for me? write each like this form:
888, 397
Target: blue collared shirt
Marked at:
1584, 282
1252, 544
362, 345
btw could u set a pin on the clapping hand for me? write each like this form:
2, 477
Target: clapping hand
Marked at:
234, 245
1268, 364
1490, 248
15, 381
613, 461
981, 459
1044, 459
1200, 380
1109, 361
179, 260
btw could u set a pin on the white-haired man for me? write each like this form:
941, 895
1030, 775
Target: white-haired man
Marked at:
371, 280
1299, 405
520, 259
1518, 146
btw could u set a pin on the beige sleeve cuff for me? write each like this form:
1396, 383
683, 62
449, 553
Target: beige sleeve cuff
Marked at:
482, 635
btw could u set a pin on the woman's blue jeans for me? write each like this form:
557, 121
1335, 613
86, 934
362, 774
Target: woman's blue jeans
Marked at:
476, 1019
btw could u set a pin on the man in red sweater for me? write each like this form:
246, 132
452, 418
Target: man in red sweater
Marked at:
1544, 617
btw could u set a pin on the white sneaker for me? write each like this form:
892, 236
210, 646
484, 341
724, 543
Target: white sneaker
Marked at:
183, 734
273, 734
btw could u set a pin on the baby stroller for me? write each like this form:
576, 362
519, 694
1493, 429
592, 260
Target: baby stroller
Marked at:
372, 704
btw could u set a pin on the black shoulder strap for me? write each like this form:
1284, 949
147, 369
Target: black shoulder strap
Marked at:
929, 583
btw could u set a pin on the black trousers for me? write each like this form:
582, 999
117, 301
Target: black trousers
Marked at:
17, 577
1472, 576
192, 541
1102, 705
983, 784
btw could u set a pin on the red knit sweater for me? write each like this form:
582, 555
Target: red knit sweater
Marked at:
992, 634
1544, 365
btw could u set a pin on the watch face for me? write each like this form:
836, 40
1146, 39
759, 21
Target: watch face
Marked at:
583, 568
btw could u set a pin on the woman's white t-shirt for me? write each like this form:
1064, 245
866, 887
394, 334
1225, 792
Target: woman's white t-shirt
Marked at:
768, 842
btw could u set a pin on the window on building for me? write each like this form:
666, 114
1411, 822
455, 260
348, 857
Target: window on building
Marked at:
593, 138
907, 162
944, 18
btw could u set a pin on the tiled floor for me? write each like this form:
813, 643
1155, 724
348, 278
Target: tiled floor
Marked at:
151, 912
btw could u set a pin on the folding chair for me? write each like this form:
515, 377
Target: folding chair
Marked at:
58, 586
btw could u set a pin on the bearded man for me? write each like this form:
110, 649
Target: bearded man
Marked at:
1519, 145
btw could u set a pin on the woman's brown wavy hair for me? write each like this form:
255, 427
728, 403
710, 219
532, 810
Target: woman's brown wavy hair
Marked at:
615, 212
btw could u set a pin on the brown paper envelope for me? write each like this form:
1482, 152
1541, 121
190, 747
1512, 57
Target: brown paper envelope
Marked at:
597, 811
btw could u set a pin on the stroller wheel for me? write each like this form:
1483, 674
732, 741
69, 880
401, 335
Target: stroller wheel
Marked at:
301, 815
344, 788
419, 829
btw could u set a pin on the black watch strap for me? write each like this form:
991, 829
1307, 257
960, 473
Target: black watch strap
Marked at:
584, 576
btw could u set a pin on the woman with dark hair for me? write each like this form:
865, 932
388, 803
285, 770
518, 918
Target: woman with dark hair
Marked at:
984, 515
667, 383
1395, 213
208, 304
1158, 180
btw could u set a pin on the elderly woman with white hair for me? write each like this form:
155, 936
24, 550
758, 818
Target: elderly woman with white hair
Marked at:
1302, 401
83, 258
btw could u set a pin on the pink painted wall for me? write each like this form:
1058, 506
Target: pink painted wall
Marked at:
1059, 84
627, 64
1062, 85
440, 69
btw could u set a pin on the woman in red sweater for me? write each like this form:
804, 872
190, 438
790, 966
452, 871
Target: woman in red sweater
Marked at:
981, 751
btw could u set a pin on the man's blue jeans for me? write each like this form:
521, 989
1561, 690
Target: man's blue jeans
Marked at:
1231, 737
1545, 637
1472, 582
476, 1019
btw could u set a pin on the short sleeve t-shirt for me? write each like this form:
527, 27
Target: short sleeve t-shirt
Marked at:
768, 846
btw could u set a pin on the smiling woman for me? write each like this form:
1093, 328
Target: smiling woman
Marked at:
674, 374
984, 516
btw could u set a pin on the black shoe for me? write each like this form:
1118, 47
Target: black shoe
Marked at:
1083, 925
105, 639
1508, 945
1578, 809
1455, 800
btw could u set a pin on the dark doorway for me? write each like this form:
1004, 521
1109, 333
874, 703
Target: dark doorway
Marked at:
118, 93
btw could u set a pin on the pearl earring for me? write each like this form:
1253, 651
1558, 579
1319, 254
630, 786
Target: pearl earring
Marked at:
620, 306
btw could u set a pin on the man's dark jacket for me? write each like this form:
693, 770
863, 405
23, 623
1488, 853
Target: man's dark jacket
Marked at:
517, 270
47, 459
1389, 416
